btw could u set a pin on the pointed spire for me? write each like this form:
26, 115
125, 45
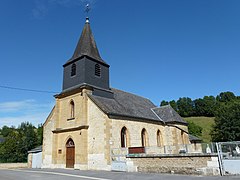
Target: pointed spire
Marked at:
86, 44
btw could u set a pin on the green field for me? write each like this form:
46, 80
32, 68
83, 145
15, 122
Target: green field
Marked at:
206, 123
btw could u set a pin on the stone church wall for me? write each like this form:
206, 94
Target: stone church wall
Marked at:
98, 139
79, 138
134, 130
169, 135
64, 119
93, 145
48, 127
197, 164
178, 136
54, 144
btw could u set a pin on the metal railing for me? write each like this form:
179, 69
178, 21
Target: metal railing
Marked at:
230, 150
202, 148
198, 148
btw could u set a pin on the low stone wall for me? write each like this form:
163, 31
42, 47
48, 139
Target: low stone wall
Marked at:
13, 165
197, 164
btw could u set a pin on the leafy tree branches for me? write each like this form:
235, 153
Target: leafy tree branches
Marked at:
225, 107
205, 106
18, 141
194, 129
227, 119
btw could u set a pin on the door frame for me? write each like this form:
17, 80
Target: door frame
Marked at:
70, 153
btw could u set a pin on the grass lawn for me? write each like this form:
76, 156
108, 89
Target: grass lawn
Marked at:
206, 123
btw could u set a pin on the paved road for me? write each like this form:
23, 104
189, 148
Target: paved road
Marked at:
64, 174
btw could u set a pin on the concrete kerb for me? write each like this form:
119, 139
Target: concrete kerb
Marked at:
13, 165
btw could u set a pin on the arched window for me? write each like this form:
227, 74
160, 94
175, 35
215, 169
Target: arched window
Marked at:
70, 143
159, 138
72, 109
124, 137
144, 137
97, 70
73, 69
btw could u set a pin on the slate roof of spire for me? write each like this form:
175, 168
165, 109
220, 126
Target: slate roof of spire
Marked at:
87, 46
132, 106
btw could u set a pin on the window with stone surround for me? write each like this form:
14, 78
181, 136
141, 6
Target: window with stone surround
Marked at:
72, 109
159, 138
144, 137
124, 137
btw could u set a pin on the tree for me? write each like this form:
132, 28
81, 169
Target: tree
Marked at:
18, 142
205, 106
200, 107
10, 150
185, 107
164, 103
226, 96
210, 105
173, 104
29, 137
194, 129
40, 134
5, 131
227, 122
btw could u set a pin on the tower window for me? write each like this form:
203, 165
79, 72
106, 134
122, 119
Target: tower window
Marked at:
73, 69
97, 70
72, 109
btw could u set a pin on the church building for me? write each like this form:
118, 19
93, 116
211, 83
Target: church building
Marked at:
90, 117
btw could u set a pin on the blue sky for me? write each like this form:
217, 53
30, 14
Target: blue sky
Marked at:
159, 49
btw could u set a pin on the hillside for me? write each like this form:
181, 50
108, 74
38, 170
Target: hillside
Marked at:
206, 123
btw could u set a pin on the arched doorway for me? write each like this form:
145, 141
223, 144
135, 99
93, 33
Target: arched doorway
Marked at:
70, 154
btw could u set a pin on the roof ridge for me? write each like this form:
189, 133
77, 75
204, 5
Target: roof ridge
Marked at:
165, 106
127, 93
157, 115
134, 95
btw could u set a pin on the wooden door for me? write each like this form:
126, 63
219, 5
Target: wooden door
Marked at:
70, 154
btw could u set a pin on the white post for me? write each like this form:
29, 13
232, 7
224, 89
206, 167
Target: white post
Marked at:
219, 151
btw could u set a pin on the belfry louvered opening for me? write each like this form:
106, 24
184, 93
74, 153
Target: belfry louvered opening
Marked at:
73, 69
97, 70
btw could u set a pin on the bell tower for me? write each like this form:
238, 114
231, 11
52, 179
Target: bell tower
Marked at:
86, 68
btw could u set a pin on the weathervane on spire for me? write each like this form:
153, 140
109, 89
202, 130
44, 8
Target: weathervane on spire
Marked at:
87, 9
